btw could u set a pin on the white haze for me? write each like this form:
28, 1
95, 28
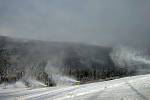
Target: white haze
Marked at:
130, 58
57, 76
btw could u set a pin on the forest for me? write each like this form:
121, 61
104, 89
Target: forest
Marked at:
86, 63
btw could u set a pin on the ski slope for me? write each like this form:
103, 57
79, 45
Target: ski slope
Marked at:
129, 88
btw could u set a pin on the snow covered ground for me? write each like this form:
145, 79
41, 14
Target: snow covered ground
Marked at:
129, 88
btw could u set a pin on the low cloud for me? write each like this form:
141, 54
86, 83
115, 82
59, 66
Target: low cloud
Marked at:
93, 22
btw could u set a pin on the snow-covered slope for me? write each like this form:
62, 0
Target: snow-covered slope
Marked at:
129, 88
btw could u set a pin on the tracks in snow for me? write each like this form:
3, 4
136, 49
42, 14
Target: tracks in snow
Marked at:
71, 92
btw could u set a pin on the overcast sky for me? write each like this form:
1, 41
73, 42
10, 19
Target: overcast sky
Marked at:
100, 22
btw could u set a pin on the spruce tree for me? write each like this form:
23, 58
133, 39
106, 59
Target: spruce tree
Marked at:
4, 58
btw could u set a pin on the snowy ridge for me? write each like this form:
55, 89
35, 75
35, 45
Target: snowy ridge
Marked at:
129, 88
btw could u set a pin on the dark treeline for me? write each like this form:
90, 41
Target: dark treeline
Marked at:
89, 75
86, 63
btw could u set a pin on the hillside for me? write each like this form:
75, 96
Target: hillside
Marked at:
129, 88
44, 60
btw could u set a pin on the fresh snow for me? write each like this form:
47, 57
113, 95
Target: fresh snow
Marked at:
129, 88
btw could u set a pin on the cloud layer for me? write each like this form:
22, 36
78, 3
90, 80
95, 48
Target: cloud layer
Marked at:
100, 22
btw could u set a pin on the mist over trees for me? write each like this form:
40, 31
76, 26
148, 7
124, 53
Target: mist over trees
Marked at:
29, 58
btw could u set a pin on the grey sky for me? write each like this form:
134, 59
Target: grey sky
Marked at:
101, 22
